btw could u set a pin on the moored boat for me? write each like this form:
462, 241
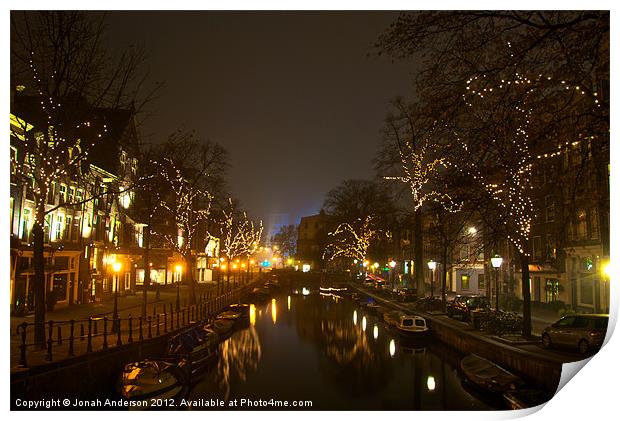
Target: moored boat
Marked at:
150, 379
242, 309
223, 327
194, 350
412, 325
489, 376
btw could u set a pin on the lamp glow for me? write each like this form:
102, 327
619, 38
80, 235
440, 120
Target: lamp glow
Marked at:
496, 261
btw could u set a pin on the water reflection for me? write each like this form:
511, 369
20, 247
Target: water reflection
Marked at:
240, 355
317, 351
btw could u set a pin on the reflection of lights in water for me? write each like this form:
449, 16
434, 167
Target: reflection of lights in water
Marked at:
252, 314
305, 291
392, 348
355, 317
430, 383
288, 303
364, 323
375, 332
241, 353
274, 310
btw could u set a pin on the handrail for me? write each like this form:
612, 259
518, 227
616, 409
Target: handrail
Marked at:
122, 327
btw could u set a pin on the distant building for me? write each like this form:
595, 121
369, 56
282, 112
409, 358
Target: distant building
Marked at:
312, 240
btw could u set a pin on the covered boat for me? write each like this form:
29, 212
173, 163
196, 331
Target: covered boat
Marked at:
242, 309
150, 379
223, 327
194, 349
412, 325
489, 376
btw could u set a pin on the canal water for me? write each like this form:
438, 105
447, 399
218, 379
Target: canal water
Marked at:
301, 345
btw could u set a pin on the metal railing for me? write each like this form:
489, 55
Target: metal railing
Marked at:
72, 338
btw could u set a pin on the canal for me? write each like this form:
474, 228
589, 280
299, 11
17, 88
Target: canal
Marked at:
301, 345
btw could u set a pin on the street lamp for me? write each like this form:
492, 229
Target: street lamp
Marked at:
178, 269
116, 266
496, 262
392, 265
432, 265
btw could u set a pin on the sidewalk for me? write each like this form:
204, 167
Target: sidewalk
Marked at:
130, 305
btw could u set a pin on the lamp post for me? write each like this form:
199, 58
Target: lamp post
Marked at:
496, 262
178, 269
392, 266
432, 265
116, 266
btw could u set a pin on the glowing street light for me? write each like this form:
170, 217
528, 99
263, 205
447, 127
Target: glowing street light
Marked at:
432, 265
116, 267
496, 262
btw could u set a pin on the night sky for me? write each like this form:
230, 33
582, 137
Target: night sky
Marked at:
293, 96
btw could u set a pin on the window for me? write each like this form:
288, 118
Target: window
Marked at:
536, 247
594, 231
127, 280
464, 281
481, 284
550, 209
71, 194
59, 227
63, 193
464, 252
26, 226
68, 224
566, 322
79, 195
586, 291
550, 246
580, 225
552, 289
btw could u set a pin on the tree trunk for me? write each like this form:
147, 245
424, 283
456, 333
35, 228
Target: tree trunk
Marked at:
418, 253
190, 279
525, 291
39, 283
147, 269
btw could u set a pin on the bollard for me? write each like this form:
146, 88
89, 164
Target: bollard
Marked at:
149, 322
48, 356
178, 322
22, 347
105, 332
71, 329
165, 323
82, 331
183, 317
119, 342
157, 328
130, 339
59, 335
89, 345
140, 337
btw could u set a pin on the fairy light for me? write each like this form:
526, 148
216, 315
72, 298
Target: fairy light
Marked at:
346, 241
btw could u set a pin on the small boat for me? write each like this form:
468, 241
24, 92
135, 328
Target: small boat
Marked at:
392, 318
194, 350
242, 309
149, 379
372, 306
412, 325
489, 376
229, 315
223, 327
526, 398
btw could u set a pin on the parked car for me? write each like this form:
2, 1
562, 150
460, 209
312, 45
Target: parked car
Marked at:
463, 305
582, 331
407, 295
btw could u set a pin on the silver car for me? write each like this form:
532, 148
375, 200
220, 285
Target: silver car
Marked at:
582, 331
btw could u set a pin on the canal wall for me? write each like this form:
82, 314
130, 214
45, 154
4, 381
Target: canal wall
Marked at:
89, 376
537, 369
